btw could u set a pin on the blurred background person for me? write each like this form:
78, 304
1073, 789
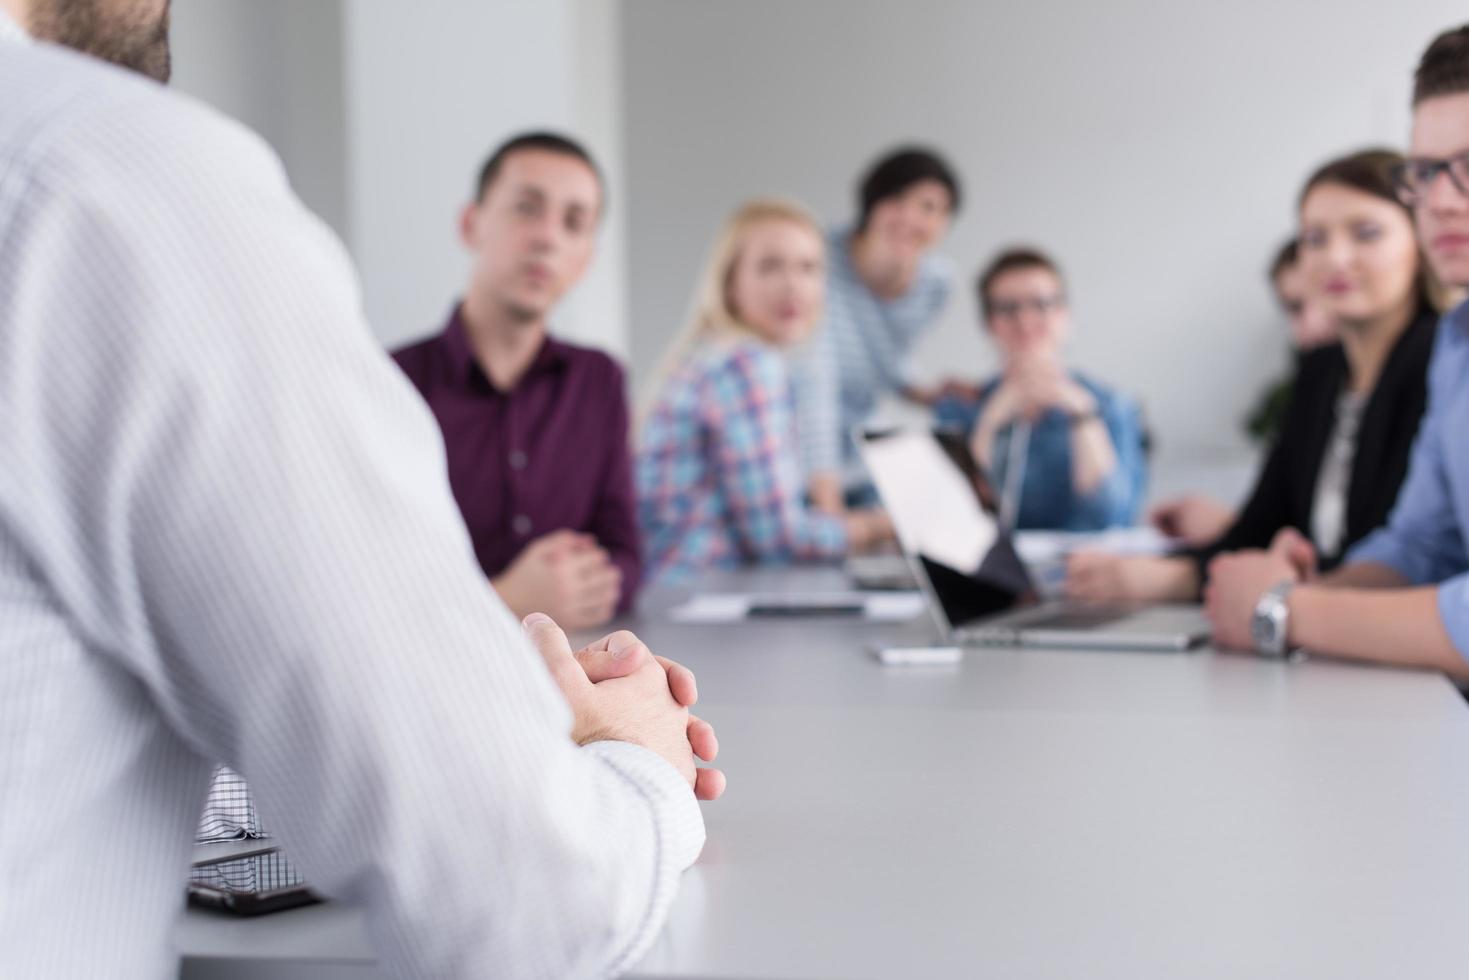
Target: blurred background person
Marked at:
718, 464
886, 289
1065, 451
536, 429
1309, 327
1198, 519
1334, 472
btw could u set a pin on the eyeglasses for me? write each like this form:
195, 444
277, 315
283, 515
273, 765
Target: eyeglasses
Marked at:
1009, 309
1412, 179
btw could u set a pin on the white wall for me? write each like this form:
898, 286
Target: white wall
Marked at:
383, 111
275, 65
1154, 147
434, 86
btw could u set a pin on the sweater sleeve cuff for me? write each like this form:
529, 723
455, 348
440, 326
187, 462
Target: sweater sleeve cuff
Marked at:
676, 814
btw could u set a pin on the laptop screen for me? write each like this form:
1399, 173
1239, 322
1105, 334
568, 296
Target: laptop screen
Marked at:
945, 512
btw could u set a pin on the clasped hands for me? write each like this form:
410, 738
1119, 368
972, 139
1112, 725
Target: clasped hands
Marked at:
1034, 384
619, 690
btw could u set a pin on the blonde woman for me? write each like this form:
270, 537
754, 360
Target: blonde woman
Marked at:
718, 471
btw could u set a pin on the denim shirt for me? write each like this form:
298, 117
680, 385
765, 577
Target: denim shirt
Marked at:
1048, 499
1424, 538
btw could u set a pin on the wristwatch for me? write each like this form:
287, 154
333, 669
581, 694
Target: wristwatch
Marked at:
1270, 625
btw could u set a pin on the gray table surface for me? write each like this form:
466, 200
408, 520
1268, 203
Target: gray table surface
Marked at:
1029, 814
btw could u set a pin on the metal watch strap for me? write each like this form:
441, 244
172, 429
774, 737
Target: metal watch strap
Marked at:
1270, 625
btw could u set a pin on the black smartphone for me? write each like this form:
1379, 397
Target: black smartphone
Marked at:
797, 609
250, 884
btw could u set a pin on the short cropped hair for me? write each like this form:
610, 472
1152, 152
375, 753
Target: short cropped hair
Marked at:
895, 173
538, 140
1444, 68
1010, 260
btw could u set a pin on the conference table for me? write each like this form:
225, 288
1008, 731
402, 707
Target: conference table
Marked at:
1025, 813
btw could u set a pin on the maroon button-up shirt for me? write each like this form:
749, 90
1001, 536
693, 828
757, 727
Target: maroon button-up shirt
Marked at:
551, 454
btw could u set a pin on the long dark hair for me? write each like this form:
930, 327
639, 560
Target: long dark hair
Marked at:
1370, 171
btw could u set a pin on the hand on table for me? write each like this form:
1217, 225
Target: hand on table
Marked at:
566, 575
618, 690
1238, 581
867, 528
1095, 576
1196, 520
1297, 549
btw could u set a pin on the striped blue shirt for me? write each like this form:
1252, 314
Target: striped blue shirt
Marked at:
861, 352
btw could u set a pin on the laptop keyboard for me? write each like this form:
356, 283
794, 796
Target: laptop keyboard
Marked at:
1072, 619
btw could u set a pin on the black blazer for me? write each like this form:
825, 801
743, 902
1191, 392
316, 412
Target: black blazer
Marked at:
1284, 494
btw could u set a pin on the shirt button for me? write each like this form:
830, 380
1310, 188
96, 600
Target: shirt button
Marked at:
521, 525
518, 460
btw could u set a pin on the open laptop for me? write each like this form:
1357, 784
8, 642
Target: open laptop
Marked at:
945, 512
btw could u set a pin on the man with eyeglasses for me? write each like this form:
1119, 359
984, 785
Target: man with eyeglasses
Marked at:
1402, 597
1066, 450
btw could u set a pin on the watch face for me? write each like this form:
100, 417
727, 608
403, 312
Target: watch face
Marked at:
1263, 635
1267, 627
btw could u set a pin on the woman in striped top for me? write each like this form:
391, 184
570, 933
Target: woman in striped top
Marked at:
718, 471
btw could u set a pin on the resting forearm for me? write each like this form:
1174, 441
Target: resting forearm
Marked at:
510, 593
1177, 580
630, 564
1093, 458
825, 491
1399, 627
1364, 575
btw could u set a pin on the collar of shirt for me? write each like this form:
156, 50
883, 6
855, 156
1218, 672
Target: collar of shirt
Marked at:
931, 268
12, 31
1459, 317
465, 370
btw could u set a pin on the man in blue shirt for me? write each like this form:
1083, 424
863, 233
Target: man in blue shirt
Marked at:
1403, 595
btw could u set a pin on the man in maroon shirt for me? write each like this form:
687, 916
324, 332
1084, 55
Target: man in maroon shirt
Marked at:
536, 430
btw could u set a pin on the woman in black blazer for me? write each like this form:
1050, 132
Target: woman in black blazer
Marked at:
1333, 473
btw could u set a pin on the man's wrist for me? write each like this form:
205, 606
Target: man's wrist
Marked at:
1080, 405
667, 789
1301, 604
504, 586
1271, 621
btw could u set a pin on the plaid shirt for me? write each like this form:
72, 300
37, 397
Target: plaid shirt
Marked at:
718, 472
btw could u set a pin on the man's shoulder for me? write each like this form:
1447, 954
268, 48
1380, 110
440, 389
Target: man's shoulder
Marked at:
938, 270
416, 359
1453, 328
589, 363
936, 275
70, 118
